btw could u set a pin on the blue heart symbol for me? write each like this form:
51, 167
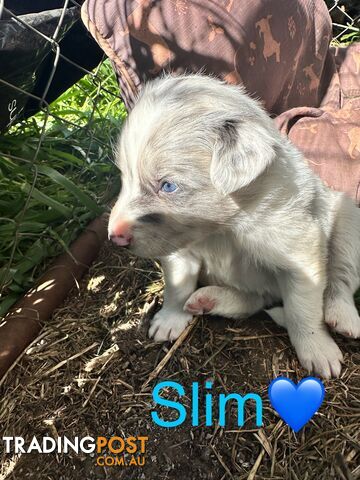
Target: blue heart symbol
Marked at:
296, 404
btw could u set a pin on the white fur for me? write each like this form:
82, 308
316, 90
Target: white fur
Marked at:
249, 220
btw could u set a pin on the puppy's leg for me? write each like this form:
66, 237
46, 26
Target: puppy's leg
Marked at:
225, 301
343, 272
340, 311
181, 272
278, 315
303, 313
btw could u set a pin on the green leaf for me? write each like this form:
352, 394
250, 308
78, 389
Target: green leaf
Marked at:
46, 200
57, 177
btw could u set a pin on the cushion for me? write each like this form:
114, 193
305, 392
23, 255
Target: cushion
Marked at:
279, 50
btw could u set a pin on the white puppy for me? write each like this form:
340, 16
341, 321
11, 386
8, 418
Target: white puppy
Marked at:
212, 189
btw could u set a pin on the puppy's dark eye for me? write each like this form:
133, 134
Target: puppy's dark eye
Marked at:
168, 187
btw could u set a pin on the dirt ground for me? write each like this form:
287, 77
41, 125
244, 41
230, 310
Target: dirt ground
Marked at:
92, 372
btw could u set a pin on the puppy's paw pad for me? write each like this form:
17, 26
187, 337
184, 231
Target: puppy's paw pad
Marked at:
199, 303
168, 325
343, 317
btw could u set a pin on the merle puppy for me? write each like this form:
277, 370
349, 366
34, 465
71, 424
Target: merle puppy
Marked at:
212, 189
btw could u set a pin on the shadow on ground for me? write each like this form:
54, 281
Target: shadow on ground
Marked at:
89, 373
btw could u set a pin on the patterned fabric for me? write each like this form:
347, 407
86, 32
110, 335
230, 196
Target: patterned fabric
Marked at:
278, 49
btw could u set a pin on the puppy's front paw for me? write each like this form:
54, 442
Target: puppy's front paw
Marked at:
168, 325
342, 316
318, 353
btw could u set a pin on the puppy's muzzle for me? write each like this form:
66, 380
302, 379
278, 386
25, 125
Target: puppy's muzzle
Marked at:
121, 233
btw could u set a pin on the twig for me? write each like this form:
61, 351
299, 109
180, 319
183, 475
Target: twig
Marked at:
256, 465
259, 337
221, 461
91, 391
64, 362
169, 354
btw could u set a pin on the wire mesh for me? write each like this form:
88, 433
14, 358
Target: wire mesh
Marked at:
346, 18
85, 135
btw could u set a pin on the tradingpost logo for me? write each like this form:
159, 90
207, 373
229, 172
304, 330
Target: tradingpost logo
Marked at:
108, 452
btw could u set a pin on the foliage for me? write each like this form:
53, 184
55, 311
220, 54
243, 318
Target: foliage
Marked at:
56, 174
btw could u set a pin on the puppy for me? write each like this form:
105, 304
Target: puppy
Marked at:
212, 189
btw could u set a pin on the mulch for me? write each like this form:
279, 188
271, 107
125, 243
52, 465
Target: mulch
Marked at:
92, 371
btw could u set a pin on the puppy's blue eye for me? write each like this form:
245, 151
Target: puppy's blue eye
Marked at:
169, 187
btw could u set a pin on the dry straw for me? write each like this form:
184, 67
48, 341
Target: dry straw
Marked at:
92, 371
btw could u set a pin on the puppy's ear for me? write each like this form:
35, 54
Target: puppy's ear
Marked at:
242, 152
